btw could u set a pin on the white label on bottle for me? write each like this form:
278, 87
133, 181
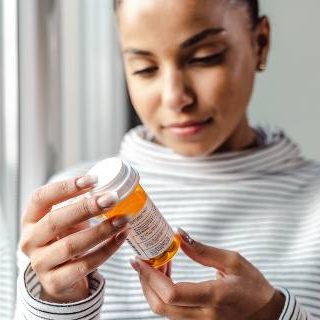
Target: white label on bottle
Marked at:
150, 234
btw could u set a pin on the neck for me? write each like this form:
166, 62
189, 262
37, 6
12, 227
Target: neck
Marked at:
242, 138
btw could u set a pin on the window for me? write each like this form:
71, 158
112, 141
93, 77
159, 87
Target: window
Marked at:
63, 98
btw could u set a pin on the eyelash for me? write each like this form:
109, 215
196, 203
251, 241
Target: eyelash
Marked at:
209, 60
213, 59
145, 72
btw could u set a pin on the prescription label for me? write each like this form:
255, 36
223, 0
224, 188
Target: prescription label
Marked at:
150, 235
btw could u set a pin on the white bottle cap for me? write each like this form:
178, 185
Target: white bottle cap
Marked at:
114, 175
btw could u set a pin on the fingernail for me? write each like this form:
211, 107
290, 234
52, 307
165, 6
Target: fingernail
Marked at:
185, 236
121, 221
120, 237
108, 200
86, 181
135, 265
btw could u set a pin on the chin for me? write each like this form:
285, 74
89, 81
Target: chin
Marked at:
197, 148
193, 150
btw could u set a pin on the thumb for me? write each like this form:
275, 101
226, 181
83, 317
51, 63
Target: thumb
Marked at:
223, 260
166, 269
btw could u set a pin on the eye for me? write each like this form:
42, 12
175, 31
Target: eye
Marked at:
146, 72
212, 59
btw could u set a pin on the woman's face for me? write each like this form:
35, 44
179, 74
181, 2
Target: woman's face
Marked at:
190, 67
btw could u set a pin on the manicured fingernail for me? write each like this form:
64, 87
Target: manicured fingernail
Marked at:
86, 181
120, 237
185, 236
135, 265
121, 221
108, 200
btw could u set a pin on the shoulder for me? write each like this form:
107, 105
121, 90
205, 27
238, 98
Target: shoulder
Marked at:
313, 167
73, 171
311, 176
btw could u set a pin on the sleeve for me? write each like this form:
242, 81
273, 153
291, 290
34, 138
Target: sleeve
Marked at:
293, 310
29, 306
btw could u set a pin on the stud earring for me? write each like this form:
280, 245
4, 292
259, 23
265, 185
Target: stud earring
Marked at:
262, 67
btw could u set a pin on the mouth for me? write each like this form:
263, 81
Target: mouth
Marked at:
188, 128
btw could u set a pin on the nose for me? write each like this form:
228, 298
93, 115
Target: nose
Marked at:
176, 95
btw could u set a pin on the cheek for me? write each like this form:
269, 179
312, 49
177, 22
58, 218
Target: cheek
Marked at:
215, 91
242, 79
212, 87
144, 99
226, 90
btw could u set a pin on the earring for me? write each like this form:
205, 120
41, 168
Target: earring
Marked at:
262, 67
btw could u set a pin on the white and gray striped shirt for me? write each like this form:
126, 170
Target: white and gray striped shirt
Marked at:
263, 203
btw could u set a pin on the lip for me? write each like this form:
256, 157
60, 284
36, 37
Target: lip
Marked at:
188, 128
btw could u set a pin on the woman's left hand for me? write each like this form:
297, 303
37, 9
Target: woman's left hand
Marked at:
239, 292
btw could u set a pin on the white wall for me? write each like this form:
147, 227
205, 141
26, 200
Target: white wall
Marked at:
287, 94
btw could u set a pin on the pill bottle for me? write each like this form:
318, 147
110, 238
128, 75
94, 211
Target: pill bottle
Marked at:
150, 235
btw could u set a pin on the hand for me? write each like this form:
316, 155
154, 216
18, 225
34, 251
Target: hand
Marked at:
57, 241
239, 292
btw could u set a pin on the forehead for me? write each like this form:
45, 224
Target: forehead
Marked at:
164, 20
184, 7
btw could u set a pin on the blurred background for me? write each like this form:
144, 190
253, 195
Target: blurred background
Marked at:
63, 98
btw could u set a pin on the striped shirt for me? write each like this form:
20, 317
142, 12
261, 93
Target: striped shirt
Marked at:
263, 203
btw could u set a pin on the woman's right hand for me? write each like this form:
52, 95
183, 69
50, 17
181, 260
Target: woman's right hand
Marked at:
58, 241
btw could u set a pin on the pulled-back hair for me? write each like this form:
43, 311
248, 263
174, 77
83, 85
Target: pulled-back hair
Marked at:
253, 7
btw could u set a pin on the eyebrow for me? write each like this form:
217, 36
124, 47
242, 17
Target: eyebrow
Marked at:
200, 37
186, 44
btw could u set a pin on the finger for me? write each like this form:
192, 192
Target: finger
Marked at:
67, 275
169, 270
28, 236
159, 307
79, 243
56, 222
76, 228
45, 197
220, 275
76, 244
166, 269
224, 260
180, 294
163, 269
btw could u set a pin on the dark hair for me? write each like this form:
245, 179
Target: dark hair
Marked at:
253, 6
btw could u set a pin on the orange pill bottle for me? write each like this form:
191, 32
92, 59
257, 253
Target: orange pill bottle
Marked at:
150, 235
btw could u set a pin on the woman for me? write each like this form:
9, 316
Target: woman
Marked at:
244, 192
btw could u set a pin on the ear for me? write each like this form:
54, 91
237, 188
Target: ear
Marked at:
262, 42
